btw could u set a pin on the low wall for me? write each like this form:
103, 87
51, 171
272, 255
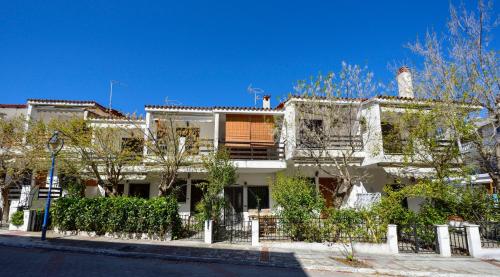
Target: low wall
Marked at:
359, 248
118, 235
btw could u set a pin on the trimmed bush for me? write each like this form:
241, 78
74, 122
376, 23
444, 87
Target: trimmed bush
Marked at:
18, 218
117, 214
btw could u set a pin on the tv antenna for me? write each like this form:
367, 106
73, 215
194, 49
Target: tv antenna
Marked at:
111, 84
256, 92
169, 102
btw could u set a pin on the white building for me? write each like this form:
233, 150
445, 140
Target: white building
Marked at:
259, 149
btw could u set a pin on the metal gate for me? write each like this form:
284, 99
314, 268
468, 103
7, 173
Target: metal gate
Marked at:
417, 238
458, 241
233, 228
36, 221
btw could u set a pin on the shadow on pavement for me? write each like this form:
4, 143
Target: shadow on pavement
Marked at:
194, 253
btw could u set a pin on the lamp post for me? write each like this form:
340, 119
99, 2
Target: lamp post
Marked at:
54, 145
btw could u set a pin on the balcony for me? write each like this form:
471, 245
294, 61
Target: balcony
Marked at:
354, 143
400, 146
240, 150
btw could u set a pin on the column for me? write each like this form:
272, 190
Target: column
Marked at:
209, 231
188, 195
216, 131
245, 198
255, 232
473, 240
392, 238
443, 237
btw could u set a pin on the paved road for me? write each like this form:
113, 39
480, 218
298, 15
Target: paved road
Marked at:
36, 262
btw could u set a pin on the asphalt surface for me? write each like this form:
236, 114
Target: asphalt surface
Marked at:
36, 262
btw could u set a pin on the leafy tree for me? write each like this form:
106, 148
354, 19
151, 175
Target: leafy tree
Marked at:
221, 173
21, 153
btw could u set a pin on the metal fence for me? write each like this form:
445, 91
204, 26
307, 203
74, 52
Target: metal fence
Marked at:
272, 228
417, 238
458, 241
233, 231
490, 234
192, 228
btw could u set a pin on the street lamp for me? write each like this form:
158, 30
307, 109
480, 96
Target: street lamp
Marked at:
55, 144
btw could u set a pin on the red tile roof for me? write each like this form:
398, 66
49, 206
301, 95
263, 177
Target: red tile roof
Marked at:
78, 102
194, 108
13, 106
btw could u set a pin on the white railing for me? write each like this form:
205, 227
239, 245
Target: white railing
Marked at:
365, 200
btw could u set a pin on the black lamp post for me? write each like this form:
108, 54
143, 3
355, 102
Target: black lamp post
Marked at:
55, 144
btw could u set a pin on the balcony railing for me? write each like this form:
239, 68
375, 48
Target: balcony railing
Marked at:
366, 200
333, 143
397, 146
239, 150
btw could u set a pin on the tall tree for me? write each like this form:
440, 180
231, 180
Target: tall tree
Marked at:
330, 124
462, 65
104, 151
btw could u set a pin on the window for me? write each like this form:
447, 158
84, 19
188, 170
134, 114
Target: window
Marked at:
133, 145
311, 132
392, 141
258, 197
191, 139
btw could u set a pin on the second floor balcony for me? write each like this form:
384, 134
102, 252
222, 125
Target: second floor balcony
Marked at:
252, 150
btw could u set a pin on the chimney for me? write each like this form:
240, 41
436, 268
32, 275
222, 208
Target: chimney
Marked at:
405, 86
266, 101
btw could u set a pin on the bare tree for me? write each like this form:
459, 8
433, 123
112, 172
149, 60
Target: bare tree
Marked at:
104, 150
171, 145
330, 124
461, 65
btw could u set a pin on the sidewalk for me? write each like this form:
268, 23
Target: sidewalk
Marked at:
265, 255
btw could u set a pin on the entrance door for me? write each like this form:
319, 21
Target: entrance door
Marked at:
196, 194
234, 197
139, 190
327, 188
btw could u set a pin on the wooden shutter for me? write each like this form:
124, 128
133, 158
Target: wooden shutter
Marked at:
262, 130
238, 129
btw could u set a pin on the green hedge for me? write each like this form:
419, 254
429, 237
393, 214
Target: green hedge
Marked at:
117, 214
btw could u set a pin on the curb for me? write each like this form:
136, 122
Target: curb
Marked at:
141, 255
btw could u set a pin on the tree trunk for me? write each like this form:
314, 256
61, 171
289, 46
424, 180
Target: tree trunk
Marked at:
342, 193
5, 204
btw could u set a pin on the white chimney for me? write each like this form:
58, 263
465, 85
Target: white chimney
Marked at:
266, 102
405, 85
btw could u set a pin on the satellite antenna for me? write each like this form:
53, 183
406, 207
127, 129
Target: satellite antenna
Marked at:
256, 92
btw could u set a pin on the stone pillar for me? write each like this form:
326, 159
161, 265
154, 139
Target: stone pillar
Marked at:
209, 231
443, 237
255, 232
392, 238
473, 239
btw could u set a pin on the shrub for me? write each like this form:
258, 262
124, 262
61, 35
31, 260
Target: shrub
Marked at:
18, 218
117, 214
299, 205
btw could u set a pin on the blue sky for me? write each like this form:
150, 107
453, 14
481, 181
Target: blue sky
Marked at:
197, 52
